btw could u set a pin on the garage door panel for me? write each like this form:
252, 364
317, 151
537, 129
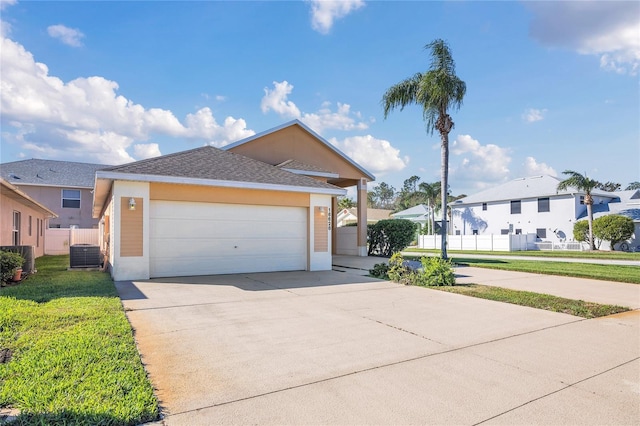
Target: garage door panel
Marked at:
208, 238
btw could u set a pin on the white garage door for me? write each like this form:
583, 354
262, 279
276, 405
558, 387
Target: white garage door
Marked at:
205, 238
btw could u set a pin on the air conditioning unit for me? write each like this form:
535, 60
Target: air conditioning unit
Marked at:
84, 256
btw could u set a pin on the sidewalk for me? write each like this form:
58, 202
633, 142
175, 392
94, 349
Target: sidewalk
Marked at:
597, 291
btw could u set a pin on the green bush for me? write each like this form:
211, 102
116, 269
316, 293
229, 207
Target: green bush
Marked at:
581, 233
9, 262
434, 272
389, 236
437, 271
380, 270
614, 228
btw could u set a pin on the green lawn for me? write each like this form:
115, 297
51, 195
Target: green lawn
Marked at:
73, 356
535, 300
616, 255
620, 273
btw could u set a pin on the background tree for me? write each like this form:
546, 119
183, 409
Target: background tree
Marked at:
633, 185
383, 196
345, 202
581, 233
582, 183
410, 195
436, 91
430, 193
614, 228
609, 186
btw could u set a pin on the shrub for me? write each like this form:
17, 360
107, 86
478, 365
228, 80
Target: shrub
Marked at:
581, 233
9, 262
437, 271
434, 272
389, 236
380, 270
614, 228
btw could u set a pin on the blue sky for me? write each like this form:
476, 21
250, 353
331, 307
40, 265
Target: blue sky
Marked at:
550, 85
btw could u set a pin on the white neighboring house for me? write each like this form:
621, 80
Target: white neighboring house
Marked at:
531, 205
626, 203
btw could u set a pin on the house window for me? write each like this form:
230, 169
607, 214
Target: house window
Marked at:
504, 232
15, 233
516, 207
518, 231
541, 233
582, 199
71, 198
30, 224
543, 205
475, 232
54, 225
484, 206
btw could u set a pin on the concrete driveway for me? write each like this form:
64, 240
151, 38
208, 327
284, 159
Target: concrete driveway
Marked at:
338, 348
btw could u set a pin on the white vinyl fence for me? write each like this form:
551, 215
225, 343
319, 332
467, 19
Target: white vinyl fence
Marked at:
489, 242
58, 240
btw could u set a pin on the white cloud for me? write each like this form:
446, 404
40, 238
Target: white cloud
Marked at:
377, 156
342, 118
532, 115
146, 150
324, 12
5, 3
276, 100
86, 116
69, 36
533, 168
477, 164
609, 29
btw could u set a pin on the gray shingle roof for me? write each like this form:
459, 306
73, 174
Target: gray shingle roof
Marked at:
522, 188
50, 173
298, 165
215, 164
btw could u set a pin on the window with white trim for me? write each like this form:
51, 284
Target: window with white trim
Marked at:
15, 232
71, 198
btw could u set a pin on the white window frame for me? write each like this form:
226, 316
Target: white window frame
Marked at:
79, 199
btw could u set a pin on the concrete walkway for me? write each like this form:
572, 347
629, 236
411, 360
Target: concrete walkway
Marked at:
338, 348
597, 291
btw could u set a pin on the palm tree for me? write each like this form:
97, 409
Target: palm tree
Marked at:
430, 192
582, 183
633, 185
436, 91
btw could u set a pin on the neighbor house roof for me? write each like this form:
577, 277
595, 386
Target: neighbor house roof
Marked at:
522, 188
416, 212
209, 166
50, 173
311, 132
10, 191
626, 203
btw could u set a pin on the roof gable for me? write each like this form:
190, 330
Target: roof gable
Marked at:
295, 141
210, 163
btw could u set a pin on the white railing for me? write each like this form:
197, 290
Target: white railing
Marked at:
488, 242
566, 246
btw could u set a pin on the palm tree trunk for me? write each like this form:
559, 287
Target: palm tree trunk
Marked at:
589, 203
444, 184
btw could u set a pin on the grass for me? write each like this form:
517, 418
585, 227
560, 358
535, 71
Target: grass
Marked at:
615, 255
619, 273
535, 300
73, 356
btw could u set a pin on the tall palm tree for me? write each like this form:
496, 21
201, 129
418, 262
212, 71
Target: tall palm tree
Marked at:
436, 91
582, 183
430, 192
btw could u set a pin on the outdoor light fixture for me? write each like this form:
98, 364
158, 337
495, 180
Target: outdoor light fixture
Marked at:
321, 211
132, 203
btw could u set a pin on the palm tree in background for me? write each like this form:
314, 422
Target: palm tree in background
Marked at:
430, 192
436, 91
582, 183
